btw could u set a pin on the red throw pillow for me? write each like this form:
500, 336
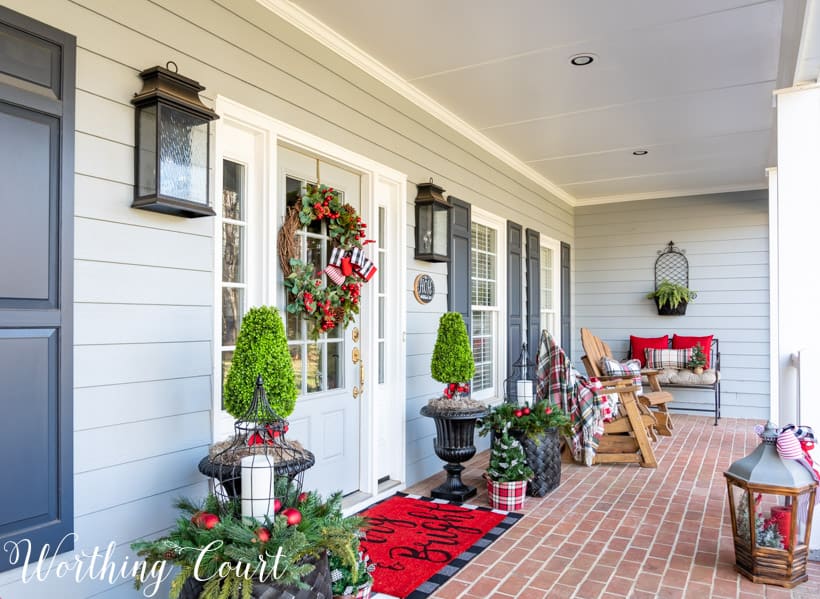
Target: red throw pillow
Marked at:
679, 342
640, 344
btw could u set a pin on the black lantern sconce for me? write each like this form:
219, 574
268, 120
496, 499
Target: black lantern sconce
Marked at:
432, 224
172, 134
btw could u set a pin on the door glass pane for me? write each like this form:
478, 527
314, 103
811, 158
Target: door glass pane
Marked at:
227, 358
231, 314
296, 359
314, 368
293, 324
381, 362
232, 243
293, 189
335, 368
233, 194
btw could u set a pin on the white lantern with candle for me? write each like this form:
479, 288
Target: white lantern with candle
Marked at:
524, 392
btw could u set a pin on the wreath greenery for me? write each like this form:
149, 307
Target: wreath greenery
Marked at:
323, 307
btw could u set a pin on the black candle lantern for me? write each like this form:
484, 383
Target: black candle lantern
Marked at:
518, 388
432, 224
172, 135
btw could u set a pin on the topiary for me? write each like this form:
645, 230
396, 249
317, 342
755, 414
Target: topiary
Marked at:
261, 349
452, 360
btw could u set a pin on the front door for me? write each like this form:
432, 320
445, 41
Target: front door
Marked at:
328, 371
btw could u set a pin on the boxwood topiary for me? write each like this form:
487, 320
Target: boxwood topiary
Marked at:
452, 356
261, 349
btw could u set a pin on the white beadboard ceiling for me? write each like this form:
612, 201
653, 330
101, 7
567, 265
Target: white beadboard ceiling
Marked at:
690, 81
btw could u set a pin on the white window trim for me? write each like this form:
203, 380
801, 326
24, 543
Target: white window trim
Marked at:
381, 181
495, 395
555, 246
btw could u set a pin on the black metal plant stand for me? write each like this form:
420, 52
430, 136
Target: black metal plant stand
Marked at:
455, 432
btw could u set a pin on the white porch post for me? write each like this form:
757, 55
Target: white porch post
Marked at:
795, 230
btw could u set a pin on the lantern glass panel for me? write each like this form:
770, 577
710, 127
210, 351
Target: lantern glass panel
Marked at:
183, 156
440, 230
147, 148
425, 229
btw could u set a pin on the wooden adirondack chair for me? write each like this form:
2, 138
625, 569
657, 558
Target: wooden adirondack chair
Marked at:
626, 439
655, 400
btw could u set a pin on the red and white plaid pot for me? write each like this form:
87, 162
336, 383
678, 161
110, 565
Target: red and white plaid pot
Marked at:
363, 592
506, 496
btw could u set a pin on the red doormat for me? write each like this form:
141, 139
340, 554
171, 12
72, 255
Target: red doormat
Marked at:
418, 543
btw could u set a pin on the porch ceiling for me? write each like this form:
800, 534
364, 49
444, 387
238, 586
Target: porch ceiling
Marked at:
691, 82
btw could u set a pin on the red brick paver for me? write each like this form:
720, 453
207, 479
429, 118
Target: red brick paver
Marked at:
625, 531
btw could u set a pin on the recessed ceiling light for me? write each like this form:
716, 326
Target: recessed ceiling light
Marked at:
640, 152
582, 60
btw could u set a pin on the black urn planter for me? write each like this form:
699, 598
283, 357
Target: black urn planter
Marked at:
319, 585
667, 310
454, 443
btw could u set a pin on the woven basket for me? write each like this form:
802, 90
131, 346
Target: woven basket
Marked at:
544, 457
318, 581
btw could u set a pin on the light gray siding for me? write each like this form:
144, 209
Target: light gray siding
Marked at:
726, 241
144, 281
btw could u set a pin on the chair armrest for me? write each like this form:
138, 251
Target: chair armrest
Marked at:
652, 375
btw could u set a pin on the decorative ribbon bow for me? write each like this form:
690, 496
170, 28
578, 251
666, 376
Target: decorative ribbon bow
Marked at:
345, 263
795, 443
454, 388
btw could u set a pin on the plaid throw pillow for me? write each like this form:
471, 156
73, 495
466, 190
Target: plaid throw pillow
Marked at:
668, 358
630, 368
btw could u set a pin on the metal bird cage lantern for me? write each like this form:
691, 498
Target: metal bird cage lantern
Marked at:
771, 501
519, 389
257, 466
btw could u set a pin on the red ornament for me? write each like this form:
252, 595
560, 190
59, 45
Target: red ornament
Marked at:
526, 411
277, 505
548, 410
293, 516
205, 520
519, 413
263, 534
302, 496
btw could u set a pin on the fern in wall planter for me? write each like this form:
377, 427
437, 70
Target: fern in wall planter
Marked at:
671, 298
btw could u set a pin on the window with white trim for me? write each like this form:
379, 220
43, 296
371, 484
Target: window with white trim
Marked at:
487, 289
550, 318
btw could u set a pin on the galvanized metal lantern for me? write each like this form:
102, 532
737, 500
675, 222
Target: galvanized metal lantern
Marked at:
172, 135
432, 224
518, 389
771, 500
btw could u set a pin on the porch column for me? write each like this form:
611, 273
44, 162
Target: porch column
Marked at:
795, 269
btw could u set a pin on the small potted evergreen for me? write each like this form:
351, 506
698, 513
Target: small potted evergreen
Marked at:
454, 412
507, 474
698, 359
671, 298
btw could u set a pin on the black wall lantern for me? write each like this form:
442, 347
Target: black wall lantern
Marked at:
171, 162
432, 224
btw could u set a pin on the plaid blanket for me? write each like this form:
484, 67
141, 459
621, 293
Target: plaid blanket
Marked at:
558, 382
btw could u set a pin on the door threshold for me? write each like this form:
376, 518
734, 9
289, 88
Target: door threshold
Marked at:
359, 500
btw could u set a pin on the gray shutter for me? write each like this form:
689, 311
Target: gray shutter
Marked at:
36, 283
515, 305
566, 306
458, 272
533, 293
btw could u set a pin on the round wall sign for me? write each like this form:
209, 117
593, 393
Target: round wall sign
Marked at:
424, 289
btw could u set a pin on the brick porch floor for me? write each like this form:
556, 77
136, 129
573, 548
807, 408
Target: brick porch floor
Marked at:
616, 531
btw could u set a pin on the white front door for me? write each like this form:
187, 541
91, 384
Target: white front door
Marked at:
327, 415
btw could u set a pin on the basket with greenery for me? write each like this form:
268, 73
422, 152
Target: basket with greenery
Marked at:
261, 349
672, 296
525, 421
280, 550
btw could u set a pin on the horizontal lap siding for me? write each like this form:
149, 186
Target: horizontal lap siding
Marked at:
144, 281
726, 241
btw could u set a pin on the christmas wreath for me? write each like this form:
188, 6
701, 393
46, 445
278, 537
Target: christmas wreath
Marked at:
325, 306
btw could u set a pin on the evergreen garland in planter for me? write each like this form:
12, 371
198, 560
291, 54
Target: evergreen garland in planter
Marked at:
261, 349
